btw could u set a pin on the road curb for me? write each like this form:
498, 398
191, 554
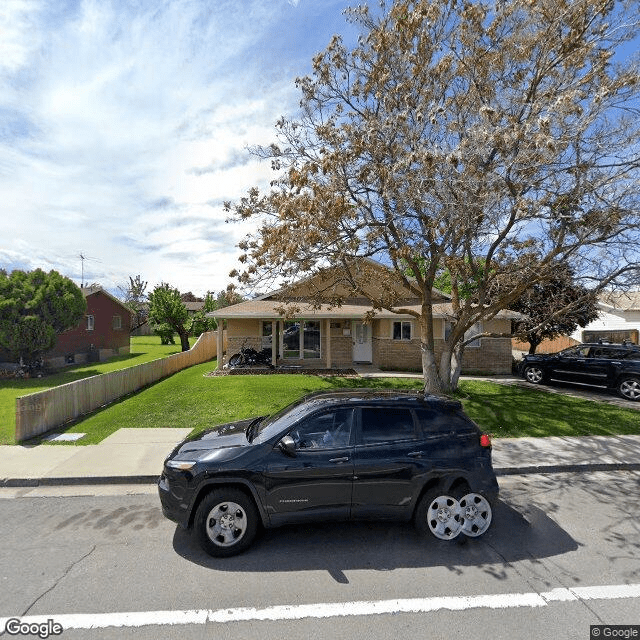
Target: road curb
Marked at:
567, 468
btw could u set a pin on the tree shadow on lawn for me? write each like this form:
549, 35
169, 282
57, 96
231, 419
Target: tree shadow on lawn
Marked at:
379, 546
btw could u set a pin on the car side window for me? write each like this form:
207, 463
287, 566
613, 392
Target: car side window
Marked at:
324, 430
614, 354
576, 352
385, 424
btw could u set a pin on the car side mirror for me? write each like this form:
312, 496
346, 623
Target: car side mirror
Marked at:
287, 445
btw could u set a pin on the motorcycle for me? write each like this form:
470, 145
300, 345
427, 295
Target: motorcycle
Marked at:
249, 357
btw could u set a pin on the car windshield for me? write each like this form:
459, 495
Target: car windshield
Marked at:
279, 421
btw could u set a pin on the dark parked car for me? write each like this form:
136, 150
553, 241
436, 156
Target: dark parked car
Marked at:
608, 366
357, 454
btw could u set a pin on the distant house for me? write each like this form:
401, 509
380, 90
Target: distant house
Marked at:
101, 334
194, 307
329, 336
619, 319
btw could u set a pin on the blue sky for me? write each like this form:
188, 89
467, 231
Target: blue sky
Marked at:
124, 126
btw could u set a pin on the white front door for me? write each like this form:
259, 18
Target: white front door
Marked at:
362, 344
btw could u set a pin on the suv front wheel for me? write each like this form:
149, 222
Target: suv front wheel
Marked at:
629, 388
226, 522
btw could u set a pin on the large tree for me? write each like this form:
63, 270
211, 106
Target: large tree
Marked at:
135, 297
555, 307
167, 312
35, 307
492, 139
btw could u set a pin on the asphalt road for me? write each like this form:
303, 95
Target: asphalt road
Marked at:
562, 554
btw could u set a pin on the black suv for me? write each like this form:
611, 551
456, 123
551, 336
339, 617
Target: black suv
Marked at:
609, 366
353, 454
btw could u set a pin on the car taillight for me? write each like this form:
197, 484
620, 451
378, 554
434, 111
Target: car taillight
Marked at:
485, 440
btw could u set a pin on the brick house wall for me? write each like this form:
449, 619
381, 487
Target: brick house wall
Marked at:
105, 340
492, 356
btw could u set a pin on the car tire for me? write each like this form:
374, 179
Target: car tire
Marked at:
534, 374
629, 388
226, 522
437, 514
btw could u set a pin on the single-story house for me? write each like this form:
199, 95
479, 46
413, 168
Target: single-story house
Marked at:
619, 319
101, 334
301, 332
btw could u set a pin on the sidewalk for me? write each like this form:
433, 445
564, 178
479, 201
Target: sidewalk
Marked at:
135, 456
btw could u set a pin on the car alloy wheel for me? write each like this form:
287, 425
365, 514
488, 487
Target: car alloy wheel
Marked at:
534, 375
629, 388
475, 514
443, 517
226, 522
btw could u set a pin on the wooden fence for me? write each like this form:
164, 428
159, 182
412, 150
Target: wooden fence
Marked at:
45, 410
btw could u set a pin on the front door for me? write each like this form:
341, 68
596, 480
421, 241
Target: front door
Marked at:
362, 343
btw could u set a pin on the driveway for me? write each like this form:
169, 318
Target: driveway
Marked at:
598, 395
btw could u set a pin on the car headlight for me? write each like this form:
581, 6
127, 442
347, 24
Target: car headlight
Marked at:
180, 465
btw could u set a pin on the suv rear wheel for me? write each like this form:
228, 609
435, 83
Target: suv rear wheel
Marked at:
226, 522
629, 388
448, 516
534, 374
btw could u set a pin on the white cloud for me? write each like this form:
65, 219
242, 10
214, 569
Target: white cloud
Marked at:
120, 119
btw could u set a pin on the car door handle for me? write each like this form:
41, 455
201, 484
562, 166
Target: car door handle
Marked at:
415, 454
339, 460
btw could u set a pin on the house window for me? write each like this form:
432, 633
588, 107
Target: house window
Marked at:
402, 330
267, 334
472, 331
476, 328
90, 323
116, 323
311, 345
301, 339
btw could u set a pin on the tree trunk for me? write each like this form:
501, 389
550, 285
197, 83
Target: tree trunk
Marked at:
456, 366
432, 378
184, 340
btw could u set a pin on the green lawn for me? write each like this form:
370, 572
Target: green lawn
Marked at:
514, 412
143, 349
192, 400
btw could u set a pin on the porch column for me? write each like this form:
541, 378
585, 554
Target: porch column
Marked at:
219, 343
274, 342
327, 330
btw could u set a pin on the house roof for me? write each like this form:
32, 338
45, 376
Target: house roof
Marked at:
275, 310
89, 291
296, 300
194, 306
622, 301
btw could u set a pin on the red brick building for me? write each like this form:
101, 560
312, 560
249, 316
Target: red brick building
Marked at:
101, 334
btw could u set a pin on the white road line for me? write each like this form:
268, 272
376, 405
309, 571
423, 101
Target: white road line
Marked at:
333, 609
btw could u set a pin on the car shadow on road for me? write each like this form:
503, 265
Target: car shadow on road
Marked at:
344, 546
